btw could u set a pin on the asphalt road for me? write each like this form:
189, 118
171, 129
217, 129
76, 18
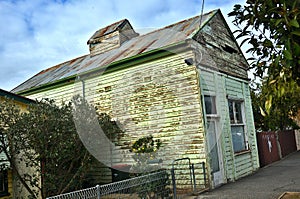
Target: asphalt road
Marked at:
267, 183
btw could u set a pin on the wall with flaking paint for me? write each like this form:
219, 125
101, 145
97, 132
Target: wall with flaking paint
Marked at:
159, 98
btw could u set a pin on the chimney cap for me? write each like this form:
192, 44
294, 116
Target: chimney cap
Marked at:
117, 26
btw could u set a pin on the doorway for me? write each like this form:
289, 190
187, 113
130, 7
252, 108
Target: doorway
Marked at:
215, 151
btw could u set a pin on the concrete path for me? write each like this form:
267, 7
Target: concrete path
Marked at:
267, 183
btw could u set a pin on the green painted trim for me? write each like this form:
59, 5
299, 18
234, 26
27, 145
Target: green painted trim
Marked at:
49, 86
118, 65
15, 97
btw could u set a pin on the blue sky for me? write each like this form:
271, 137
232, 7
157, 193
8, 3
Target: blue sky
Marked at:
37, 34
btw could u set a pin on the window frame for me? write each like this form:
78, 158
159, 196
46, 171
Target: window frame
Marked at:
237, 124
214, 115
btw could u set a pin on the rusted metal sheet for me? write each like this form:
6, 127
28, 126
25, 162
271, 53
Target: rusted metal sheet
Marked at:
144, 43
287, 142
274, 145
267, 148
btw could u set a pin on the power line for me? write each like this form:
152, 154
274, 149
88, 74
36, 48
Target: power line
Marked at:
202, 8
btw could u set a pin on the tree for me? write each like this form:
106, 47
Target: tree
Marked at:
271, 28
279, 117
44, 141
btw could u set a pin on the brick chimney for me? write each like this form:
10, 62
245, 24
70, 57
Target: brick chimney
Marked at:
111, 37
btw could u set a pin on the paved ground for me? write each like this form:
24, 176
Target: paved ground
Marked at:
268, 183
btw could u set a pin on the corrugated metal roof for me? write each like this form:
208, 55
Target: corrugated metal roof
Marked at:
166, 36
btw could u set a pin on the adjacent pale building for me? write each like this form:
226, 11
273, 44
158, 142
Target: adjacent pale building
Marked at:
6, 173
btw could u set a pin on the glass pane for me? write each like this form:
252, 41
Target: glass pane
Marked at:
213, 146
210, 104
238, 138
238, 112
231, 113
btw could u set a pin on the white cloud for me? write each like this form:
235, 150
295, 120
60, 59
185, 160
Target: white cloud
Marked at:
36, 34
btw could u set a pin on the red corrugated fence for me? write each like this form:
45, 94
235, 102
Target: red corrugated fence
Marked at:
274, 145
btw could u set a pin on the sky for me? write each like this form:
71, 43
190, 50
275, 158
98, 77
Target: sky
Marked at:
38, 34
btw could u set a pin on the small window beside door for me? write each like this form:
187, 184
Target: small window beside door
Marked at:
236, 116
210, 105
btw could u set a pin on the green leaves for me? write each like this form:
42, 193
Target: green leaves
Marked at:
146, 145
278, 21
294, 23
297, 32
288, 55
272, 31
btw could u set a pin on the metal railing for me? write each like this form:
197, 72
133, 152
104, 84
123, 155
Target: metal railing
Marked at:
153, 185
188, 177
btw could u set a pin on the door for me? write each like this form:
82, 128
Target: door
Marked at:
215, 152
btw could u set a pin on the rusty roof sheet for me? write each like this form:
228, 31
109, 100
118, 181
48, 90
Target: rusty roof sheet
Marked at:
168, 35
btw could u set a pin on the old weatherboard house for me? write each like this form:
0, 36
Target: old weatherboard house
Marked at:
185, 84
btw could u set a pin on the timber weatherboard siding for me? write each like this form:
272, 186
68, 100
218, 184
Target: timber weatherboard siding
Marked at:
219, 50
159, 98
133, 94
222, 86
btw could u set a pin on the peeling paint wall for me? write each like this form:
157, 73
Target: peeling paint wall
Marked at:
159, 98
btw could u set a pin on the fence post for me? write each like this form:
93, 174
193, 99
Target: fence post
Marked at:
194, 179
173, 182
98, 191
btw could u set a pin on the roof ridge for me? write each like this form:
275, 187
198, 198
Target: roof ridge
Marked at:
178, 22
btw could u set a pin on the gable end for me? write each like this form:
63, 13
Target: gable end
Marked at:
219, 49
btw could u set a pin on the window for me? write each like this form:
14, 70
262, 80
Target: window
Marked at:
210, 105
3, 183
237, 125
